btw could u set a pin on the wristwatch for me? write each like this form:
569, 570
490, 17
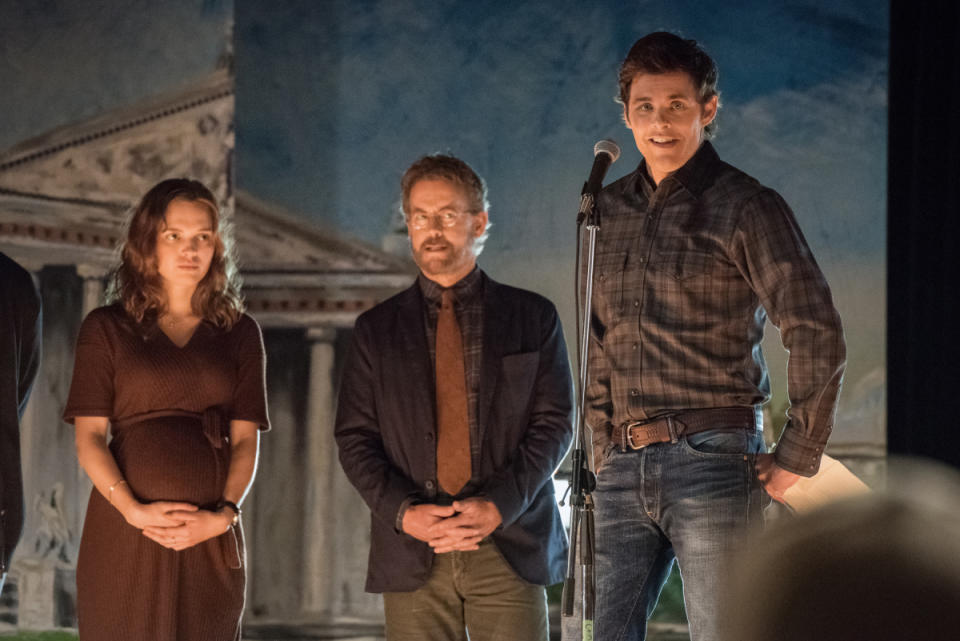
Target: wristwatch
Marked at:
234, 507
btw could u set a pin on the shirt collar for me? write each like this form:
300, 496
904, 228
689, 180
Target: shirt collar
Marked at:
463, 290
696, 175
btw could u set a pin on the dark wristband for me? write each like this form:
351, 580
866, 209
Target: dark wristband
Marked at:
233, 506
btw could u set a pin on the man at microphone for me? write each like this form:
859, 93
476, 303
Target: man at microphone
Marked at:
692, 257
454, 412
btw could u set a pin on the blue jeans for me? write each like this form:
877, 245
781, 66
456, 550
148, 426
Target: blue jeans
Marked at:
692, 500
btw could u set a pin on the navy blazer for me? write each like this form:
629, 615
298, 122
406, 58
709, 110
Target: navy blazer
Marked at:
386, 428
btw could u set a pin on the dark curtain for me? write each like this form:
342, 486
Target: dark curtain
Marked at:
923, 242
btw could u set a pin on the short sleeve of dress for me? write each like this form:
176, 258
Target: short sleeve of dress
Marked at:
91, 390
250, 395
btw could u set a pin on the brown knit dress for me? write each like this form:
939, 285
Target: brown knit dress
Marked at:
169, 410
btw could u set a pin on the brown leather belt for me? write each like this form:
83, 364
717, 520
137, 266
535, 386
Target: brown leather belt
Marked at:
670, 428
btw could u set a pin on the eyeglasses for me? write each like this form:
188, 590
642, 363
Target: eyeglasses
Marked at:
447, 218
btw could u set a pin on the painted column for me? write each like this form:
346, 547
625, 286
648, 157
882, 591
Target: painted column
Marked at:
92, 296
319, 549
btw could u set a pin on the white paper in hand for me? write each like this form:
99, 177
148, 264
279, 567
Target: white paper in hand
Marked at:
831, 483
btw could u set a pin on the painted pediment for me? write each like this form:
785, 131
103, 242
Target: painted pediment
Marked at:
118, 155
271, 238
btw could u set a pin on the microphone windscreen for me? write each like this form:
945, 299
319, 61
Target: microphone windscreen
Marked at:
609, 147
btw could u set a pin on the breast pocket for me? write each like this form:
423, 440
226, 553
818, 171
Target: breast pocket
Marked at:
518, 374
686, 265
608, 280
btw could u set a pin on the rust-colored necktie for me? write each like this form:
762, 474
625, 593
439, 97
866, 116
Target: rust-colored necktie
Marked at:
453, 423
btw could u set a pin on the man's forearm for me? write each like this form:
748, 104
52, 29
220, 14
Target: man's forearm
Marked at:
798, 301
814, 377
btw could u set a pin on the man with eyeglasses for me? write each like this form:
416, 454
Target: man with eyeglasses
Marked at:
454, 412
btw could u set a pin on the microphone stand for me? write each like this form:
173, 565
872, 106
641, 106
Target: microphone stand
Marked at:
578, 585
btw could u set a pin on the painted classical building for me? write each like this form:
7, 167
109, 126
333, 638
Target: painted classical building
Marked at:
64, 197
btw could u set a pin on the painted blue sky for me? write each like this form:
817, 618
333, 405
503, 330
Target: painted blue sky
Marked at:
348, 94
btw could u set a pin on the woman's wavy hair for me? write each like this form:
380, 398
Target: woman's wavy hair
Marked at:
137, 285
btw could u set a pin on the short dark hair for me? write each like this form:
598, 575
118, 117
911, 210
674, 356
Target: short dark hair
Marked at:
663, 52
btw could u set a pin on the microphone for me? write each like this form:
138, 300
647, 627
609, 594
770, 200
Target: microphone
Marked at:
605, 153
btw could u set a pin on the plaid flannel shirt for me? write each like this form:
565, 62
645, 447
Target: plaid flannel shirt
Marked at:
686, 274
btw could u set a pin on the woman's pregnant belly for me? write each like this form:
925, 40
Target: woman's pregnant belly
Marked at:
170, 459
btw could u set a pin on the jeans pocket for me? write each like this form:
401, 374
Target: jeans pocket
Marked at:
718, 444
602, 458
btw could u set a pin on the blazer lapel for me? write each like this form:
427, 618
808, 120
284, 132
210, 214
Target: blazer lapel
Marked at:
413, 366
494, 326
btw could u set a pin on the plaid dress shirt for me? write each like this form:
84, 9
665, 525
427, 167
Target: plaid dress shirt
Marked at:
686, 274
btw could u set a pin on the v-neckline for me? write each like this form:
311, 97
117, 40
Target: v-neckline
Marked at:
188, 341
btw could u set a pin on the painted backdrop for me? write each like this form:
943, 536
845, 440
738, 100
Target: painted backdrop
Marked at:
334, 99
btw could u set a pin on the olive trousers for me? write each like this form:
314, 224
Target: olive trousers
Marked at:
472, 595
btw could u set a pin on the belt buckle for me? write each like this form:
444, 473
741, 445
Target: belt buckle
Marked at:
628, 435
646, 427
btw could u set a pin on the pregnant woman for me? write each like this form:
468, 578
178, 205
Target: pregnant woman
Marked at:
175, 371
